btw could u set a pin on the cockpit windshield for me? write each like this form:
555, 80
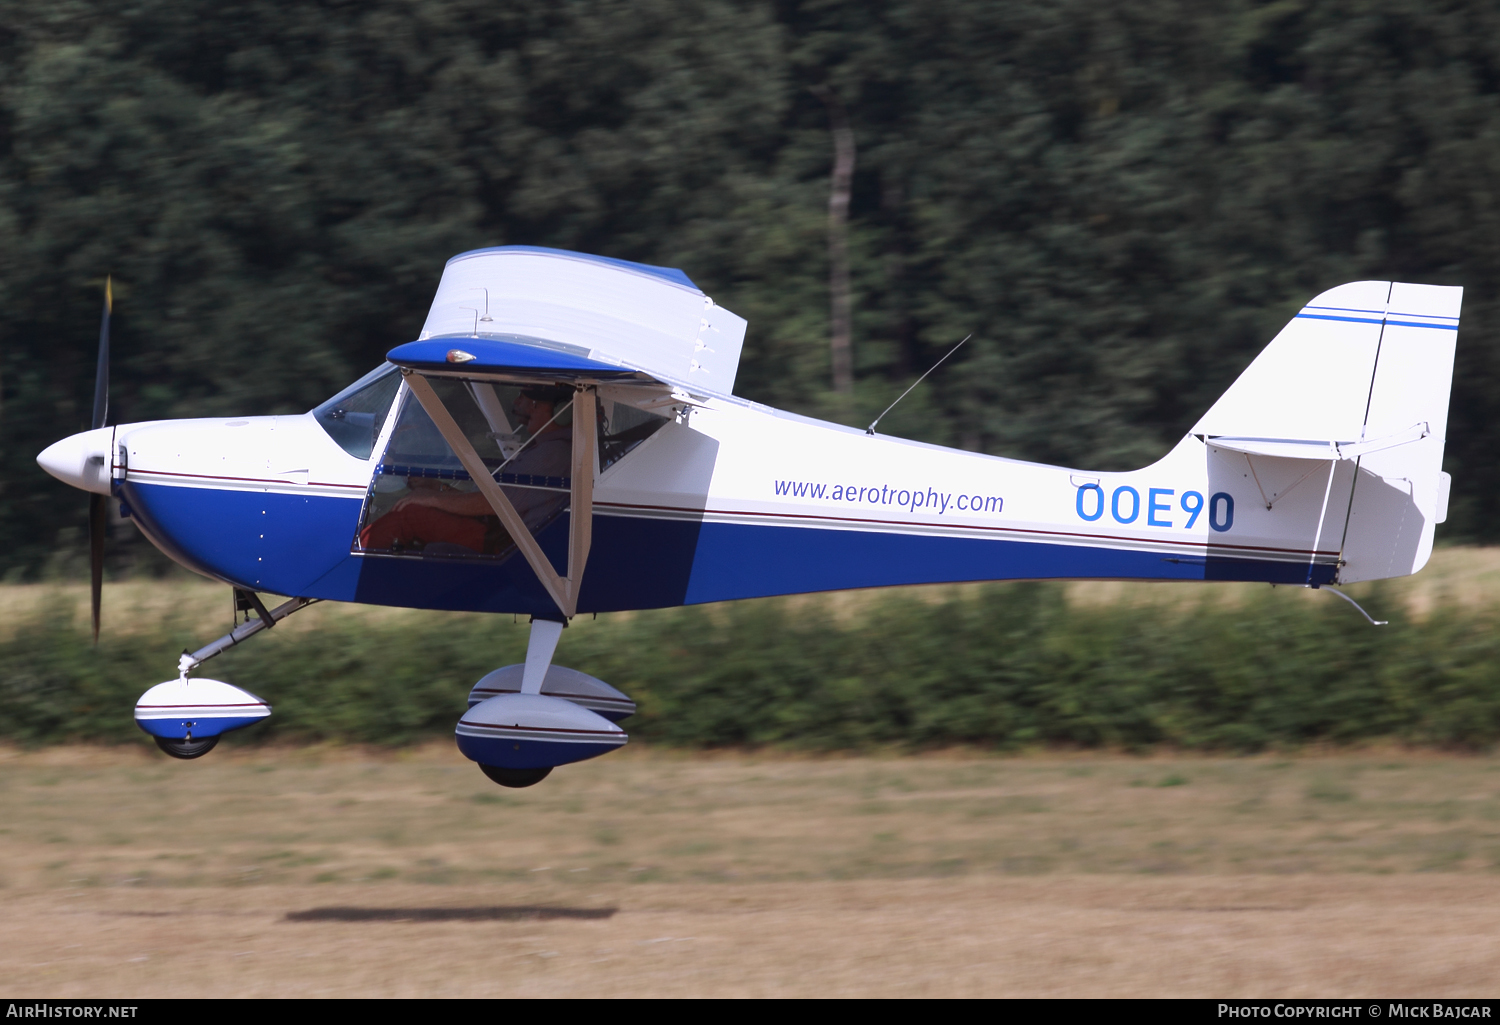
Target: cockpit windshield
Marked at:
355, 416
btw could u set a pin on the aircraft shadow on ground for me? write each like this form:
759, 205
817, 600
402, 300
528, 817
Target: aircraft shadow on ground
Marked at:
507, 913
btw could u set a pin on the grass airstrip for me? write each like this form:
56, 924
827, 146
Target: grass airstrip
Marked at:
328, 871
1367, 870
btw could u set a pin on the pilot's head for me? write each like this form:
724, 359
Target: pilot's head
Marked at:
537, 405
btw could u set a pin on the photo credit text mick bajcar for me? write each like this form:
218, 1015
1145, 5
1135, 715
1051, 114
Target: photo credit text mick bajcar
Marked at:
1328, 1009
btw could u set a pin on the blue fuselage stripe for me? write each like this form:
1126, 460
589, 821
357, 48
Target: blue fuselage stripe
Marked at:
296, 545
741, 561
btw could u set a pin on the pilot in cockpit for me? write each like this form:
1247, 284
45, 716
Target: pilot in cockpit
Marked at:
430, 516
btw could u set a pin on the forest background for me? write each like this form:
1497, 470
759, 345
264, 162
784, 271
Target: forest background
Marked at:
1122, 203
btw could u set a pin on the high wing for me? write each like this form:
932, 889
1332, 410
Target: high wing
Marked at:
521, 314
522, 304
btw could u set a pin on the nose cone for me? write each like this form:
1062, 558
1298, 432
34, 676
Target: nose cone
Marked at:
82, 460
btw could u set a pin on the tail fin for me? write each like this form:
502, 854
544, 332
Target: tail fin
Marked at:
1360, 378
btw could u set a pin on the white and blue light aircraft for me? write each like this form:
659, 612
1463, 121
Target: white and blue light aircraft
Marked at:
563, 438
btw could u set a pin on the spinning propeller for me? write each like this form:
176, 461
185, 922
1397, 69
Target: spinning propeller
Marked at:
99, 504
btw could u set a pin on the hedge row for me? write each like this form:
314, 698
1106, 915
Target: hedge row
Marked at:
1005, 667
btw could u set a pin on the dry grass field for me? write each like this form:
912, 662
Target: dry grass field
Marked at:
346, 872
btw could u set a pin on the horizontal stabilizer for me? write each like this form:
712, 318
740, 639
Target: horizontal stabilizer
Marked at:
1298, 448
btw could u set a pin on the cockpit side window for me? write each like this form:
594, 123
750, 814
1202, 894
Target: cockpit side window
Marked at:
355, 416
621, 428
422, 500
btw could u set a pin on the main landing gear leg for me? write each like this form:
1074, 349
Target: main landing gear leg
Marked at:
540, 648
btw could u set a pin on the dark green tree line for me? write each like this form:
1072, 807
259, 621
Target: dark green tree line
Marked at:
1122, 204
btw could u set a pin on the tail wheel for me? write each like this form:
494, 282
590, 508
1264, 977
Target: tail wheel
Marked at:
505, 777
188, 748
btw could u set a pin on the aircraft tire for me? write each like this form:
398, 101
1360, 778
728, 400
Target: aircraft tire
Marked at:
186, 749
514, 777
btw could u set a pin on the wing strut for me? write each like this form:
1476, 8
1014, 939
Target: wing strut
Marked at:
563, 590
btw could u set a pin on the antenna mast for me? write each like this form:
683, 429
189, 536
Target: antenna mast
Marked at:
871, 429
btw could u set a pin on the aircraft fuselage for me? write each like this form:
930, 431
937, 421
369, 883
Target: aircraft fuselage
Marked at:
741, 501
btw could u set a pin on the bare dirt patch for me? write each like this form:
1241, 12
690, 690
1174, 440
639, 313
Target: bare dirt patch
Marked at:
1405, 936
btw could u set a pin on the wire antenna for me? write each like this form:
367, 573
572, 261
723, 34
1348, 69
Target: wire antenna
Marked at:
1351, 601
871, 429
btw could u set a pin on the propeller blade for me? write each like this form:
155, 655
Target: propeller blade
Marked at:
98, 517
101, 371
99, 504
